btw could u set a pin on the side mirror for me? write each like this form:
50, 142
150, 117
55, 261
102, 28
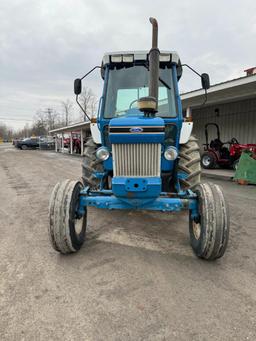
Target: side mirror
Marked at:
205, 80
77, 86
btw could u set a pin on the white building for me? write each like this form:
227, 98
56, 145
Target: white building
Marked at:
231, 104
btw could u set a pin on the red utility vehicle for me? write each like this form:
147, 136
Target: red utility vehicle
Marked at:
218, 154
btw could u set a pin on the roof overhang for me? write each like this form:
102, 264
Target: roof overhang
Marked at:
230, 91
73, 127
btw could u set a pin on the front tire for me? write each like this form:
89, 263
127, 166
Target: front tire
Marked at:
209, 234
66, 229
208, 161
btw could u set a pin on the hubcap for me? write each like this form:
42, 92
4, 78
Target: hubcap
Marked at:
196, 230
206, 160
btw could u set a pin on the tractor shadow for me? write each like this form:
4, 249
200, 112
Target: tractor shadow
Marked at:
154, 231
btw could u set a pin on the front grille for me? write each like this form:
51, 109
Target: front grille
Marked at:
139, 159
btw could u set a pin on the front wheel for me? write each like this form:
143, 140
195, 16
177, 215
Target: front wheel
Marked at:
209, 233
208, 161
66, 229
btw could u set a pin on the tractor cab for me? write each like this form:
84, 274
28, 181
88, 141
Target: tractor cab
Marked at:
126, 76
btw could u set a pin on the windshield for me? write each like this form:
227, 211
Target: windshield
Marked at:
127, 85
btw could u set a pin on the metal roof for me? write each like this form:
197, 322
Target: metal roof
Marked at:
231, 90
73, 127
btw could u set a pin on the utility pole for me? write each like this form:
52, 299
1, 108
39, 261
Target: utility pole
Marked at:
50, 118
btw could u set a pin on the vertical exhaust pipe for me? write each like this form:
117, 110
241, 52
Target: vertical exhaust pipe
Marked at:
154, 62
149, 104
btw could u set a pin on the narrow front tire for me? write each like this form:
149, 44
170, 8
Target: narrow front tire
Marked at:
66, 229
209, 233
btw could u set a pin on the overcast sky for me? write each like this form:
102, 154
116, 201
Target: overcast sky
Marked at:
45, 44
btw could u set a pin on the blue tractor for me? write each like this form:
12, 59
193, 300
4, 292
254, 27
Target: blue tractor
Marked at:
141, 155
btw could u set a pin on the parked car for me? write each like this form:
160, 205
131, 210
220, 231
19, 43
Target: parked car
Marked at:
47, 142
28, 143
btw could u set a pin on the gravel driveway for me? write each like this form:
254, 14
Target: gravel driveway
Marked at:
136, 277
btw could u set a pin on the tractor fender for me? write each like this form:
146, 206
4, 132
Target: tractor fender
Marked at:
96, 136
185, 132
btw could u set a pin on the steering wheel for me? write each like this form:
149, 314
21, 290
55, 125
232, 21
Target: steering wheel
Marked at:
234, 141
130, 106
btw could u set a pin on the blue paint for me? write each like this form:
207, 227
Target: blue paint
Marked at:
148, 187
158, 204
135, 122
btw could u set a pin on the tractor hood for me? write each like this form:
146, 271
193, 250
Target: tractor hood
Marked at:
134, 129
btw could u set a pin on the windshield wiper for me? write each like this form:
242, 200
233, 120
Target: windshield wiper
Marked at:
161, 80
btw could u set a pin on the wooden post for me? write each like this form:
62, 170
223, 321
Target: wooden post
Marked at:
82, 142
62, 142
71, 143
56, 143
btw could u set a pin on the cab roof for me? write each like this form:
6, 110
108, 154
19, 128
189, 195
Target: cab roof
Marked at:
165, 56
126, 57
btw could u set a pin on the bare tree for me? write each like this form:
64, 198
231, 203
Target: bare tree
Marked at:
6, 132
88, 102
45, 120
67, 107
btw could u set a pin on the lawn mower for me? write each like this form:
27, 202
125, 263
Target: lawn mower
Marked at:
216, 153
141, 155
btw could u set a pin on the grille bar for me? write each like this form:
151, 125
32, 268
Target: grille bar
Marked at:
139, 159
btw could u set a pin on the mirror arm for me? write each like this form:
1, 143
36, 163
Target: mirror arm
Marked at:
95, 67
205, 97
82, 108
198, 74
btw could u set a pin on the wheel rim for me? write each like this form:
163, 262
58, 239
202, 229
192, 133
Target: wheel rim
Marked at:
206, 160
196, 230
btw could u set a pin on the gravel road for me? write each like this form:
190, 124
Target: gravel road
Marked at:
136, 277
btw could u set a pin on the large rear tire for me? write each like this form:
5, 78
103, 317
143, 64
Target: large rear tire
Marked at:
66, 229
91, 165
210, 232
189, 164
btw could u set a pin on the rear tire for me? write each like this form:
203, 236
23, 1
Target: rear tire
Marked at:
91, 165
208, 161
189, 164
24, 147
209, 234
66, 230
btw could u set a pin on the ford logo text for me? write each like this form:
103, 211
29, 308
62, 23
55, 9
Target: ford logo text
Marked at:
136, 130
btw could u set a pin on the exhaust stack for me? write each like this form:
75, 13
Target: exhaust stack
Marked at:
154, 62
149, 104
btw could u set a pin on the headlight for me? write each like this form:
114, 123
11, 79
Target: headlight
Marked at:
102, 153
171, 153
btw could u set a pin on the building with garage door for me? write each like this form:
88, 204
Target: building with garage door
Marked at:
231, 104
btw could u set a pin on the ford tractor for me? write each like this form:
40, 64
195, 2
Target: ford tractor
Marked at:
141, 155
